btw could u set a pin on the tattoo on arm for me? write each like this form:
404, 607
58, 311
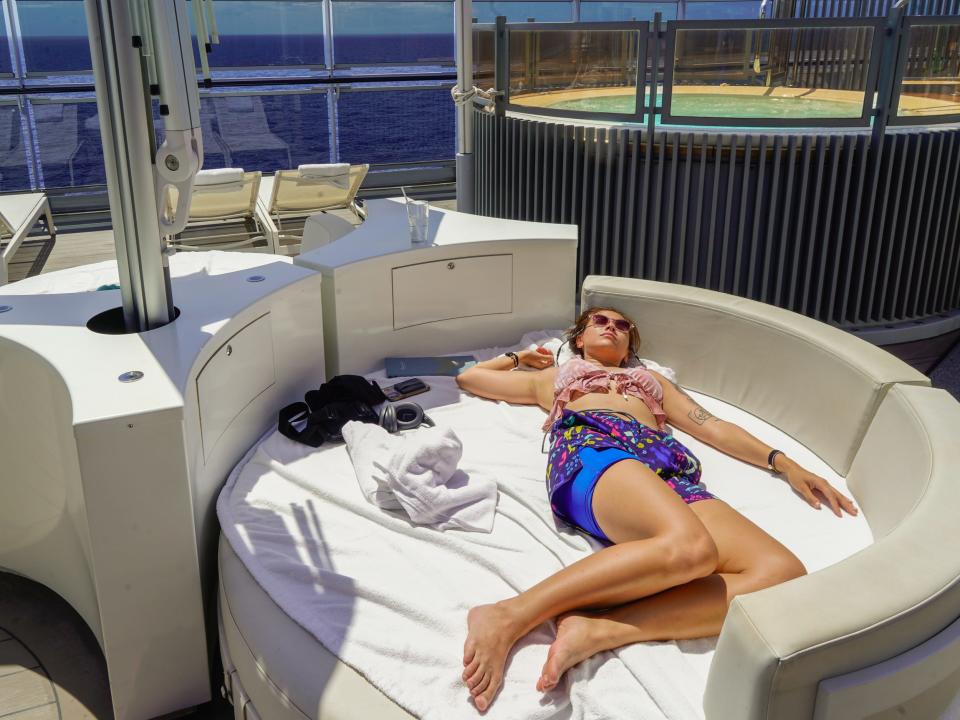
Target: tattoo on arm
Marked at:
699, 415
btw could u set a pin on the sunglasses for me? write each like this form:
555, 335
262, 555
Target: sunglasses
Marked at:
601, 320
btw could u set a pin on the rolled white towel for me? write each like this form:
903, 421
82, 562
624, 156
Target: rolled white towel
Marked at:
417, 471
335, 173
219, 176
369, 447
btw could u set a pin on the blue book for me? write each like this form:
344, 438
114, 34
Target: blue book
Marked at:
417, 366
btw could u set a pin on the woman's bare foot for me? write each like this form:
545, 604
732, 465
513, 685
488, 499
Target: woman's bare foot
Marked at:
491, 631
579, 636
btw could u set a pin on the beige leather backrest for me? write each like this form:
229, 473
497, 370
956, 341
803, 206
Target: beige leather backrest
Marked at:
777, 644
819, 384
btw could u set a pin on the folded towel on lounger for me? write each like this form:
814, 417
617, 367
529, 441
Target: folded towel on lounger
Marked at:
335, 173
417, 471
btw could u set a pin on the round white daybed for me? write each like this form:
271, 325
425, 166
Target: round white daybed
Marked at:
868, 635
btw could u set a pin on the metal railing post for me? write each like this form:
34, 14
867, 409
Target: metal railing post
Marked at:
465, 81
888, 75
654, 76
501, 68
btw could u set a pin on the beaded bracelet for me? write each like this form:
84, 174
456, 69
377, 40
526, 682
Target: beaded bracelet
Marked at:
516, 359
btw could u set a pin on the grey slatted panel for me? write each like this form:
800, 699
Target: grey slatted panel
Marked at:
721, 283
631, 205
866, 185
695, 277
798, 237
618, 218
924, 306
745, 195
679, 275
597, 150
895, 150
655, 197
924, 216
668, 233
888, 163
951, 234
900, 179
787, 219
711, 235
609, 137
828, 264
759, 198
813, 234
771, 240
905, 234
640, 247
536, 187
582, 204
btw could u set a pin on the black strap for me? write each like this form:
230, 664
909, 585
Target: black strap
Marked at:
296, 422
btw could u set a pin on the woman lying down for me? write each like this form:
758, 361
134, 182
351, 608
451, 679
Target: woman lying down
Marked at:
676, 555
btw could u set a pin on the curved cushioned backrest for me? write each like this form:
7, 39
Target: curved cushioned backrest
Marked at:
777, 644
817, 383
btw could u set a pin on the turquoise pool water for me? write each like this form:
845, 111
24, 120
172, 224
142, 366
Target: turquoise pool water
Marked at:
711, 105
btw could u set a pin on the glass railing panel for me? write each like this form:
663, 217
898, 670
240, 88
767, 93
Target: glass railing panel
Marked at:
411, 125
54, 36
721, 10
930, 85
14, 170
68, 139
591, 71
391, 33
484, 58
487, 12
267, 130
788, 74
267, 33
600, 10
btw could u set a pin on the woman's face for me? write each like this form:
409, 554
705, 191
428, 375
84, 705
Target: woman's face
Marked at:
603, 340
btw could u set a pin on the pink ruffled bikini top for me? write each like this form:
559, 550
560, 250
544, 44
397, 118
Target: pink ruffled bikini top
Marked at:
582, 376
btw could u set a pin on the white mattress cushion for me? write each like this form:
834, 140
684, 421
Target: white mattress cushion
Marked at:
390, 598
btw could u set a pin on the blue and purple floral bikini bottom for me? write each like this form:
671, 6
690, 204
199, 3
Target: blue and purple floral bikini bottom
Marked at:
583, 445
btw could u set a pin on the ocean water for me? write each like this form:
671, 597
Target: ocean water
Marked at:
266, 128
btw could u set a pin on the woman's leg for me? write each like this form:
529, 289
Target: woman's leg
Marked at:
660, 543
750, 560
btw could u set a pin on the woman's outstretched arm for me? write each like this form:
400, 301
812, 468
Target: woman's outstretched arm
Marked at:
491, 379
684, 413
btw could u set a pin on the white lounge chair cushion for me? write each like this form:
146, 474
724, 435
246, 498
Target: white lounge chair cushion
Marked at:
335, 173
18, 209
219, 180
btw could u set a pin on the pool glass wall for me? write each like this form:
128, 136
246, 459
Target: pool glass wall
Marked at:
930, 85
771, 73
559, 64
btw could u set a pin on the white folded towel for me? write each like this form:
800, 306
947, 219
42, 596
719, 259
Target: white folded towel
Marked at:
219, 176
369, 447
417, 471
335, 173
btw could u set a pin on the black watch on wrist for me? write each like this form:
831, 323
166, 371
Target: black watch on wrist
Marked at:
515, 357
770, 459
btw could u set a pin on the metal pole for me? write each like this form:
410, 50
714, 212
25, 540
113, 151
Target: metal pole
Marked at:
124, 130
891, 69
464, 38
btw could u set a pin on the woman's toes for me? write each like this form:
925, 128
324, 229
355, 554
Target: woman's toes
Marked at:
474, 680
469, 651
470, 669
481, 686
484, 699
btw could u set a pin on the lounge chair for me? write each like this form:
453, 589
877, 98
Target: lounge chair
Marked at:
245, 131
18, 215
292, 195
221, 200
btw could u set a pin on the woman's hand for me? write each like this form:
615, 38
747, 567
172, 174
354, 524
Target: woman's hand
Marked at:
537, 359
805, 482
